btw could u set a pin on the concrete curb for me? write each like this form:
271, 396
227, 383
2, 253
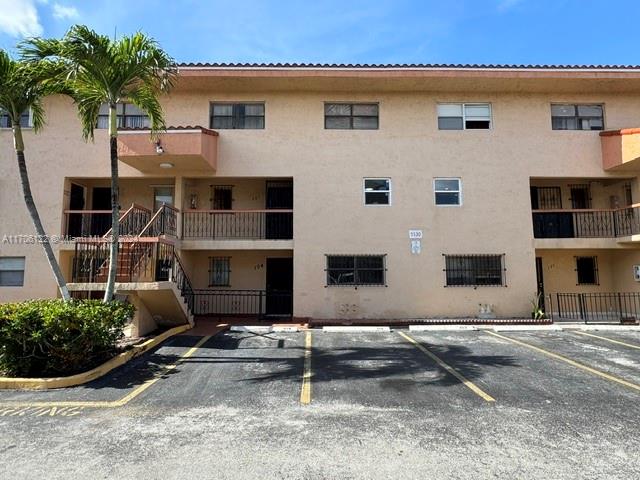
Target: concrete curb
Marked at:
445, 328
356, 329
623, 328
249, 328
80, 378
285, 328
524, 328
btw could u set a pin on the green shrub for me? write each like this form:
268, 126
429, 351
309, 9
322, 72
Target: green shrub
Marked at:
51, 337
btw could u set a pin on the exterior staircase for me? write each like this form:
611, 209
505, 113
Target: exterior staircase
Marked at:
132, 257
146, 255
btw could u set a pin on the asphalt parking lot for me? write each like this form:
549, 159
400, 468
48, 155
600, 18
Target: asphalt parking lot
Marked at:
320, 405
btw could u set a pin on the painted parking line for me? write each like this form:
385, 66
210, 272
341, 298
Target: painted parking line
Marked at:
305, 392
14, 408
606, 339
568, 360
449, 369
41, 411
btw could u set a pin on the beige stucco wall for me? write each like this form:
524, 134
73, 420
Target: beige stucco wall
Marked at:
327, 167
248, 267
248, 193
623, 279
615, 270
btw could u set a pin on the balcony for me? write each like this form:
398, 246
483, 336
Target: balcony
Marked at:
97, 223
192, 149
620, 149
607, 223
273, 224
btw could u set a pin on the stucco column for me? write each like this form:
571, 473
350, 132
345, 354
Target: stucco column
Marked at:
179, 201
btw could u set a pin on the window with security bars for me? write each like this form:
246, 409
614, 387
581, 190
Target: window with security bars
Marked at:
628, 195
546, 198
580, 196
351, 116
219, 271
587, 270
577, 117
354, 270
474, 270
222, 197
5, 120
128, 116
237, 116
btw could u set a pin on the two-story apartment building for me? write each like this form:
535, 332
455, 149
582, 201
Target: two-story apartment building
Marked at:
347, 192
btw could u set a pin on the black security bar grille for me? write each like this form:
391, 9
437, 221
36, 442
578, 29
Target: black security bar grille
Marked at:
546, 198
475, 270
356, 270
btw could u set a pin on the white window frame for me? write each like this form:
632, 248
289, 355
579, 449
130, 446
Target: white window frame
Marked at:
464, 116
24, 269
364, 192
459, 191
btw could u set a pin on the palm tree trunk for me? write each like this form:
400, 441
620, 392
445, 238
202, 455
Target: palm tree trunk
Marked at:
33, 212
115, 207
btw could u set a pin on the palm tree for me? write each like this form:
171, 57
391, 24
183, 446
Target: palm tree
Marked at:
97, 71
20, 91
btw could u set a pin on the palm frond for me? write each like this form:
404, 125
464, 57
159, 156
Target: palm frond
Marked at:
21, 89
147, 100
95, 70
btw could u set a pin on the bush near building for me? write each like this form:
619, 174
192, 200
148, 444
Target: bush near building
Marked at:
52, 337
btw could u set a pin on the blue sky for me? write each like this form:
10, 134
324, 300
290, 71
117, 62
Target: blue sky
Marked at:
373, 31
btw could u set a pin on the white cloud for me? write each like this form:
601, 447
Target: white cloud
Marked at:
62, 12
19, 18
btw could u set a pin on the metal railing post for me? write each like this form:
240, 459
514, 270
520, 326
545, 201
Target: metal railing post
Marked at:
581, 307
620, 306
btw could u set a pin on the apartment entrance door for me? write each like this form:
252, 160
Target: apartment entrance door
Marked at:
279, 225
100, 200
540, 281
279, 296
76, 202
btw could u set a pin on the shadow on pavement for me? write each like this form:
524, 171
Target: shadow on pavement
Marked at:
384, 362
284, 361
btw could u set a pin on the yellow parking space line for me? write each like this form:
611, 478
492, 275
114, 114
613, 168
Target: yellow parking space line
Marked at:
116, 403
127, 398
62, 404
571, 362
449, 369
610, 340
305, 392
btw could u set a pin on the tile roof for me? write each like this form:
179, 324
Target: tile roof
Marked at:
408, 66
170, 128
